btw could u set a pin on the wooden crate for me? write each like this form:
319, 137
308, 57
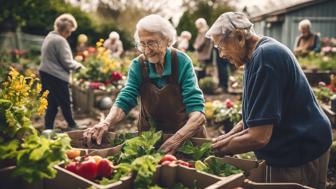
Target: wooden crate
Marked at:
315, 76
85, 100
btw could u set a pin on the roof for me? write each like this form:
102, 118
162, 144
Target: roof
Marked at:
272, 8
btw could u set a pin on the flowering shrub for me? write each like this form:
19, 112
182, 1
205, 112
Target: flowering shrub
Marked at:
34, 156
325, 60
220, 112
324, 92
102, 71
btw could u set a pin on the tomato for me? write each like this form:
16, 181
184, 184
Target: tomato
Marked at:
88, 169
168, 157
72, 167
105, 168
166, 163
96, 158
183, 163
73, 153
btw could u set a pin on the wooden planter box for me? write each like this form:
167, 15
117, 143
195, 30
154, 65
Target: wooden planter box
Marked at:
9, 182
315, 76
247, 184
85, 99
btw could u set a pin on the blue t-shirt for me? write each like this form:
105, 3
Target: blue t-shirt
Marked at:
277, 92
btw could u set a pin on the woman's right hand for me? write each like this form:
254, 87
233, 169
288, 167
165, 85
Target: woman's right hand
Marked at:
95, 133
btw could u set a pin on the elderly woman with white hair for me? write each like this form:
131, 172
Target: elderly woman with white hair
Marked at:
203, 45
281, 120
56, 63
165, 81
183, 41
307, 41
114, 44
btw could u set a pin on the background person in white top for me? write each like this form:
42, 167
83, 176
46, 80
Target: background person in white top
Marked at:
114, 44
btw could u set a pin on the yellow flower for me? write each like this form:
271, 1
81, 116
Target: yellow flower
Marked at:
99, 44
13, 73
38, 87
43, 103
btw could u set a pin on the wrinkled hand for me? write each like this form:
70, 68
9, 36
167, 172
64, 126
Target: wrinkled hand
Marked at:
171, 145
220, 143
95, 133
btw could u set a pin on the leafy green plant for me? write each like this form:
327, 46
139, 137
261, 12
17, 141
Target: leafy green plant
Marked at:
214, 166
318, 61
38, 155
144, 144
323, 93
195, 152
232, 114
145, 168
34, 156
208, 84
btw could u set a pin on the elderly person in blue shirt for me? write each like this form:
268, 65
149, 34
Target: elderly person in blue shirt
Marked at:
282, 121
166, 83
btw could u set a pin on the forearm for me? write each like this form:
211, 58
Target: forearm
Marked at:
247, 140
238, 127
115, 115
240, 143
193, 125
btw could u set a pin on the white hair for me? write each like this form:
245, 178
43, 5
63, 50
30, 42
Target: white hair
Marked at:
186, 34
156, 24
64, 21
114, 35
304, 23
201, 22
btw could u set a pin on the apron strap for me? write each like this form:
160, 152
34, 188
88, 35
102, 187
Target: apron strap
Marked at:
144, 69
173, 78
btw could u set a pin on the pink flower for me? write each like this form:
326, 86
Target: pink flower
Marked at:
326, 49
321, 83
228, 103
95, 85
333, 49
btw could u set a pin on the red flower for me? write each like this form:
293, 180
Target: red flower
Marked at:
332, 88
228, 103
116, 76
91, 50
18, 52
95, 85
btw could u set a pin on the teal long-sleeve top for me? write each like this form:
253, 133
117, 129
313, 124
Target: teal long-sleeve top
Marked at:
192, 95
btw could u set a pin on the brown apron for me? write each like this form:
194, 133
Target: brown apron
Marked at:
163, 108
307, 43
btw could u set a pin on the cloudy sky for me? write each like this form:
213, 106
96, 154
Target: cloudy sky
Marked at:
174, 6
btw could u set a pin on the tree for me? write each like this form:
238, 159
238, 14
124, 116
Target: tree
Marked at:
209, 10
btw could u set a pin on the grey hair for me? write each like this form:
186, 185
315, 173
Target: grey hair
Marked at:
64, 21
229, 23
156, 24
303, 23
